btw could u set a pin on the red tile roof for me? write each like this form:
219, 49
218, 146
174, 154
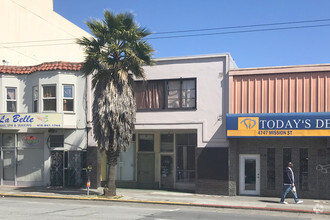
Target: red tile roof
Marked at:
42, 67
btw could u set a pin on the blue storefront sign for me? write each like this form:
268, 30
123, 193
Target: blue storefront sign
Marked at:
278, 125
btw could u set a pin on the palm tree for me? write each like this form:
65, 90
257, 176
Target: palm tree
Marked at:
113, 57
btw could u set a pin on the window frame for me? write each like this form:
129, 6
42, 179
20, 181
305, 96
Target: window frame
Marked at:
11, 100
187, 141
166, 94
35, 100
68, 98
49, 98
53, 137
145, 149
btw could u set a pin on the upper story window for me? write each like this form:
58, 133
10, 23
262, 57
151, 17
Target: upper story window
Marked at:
35, 94
68, 100
166, 94
181, 93
49, 98
11, 101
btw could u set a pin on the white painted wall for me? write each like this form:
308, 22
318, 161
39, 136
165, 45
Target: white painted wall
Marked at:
32, 33
75, 136
25, 83
210, 72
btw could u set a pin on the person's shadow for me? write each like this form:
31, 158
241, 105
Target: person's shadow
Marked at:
269, 201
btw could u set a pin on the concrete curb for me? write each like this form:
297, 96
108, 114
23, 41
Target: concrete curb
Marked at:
164, 203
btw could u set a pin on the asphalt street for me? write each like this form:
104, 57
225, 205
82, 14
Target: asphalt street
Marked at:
36, 208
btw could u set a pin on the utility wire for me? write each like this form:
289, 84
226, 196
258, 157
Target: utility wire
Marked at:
188, 35
47, 21
236, 32
20, 53
242, 26
37, 41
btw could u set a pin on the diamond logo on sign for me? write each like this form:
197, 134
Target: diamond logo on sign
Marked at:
249, 123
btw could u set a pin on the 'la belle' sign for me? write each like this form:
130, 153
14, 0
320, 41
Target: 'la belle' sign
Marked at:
279, 125
33, 120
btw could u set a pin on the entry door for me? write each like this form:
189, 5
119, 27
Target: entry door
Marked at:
9, 166
166, 172
146, 170
249, 174
8, 158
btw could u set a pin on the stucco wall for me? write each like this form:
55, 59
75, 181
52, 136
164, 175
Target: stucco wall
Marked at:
211, 98
32, 33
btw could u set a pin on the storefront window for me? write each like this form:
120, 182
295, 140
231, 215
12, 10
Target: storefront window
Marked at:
303, 177
185, 157
146, 142
56, 141
287, 152
166, 143
271, 168
8, 140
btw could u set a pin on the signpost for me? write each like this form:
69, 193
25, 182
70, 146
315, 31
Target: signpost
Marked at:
89, 170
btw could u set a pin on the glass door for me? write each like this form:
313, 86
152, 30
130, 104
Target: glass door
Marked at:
166, 172
8, 159
8, 167
249, 174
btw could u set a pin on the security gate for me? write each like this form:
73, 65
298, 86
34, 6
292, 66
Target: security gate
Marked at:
68, 168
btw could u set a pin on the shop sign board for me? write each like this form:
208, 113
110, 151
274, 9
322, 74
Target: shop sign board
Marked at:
31, 120
278, 125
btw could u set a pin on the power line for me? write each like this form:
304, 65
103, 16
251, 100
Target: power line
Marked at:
243, 26
20, 53
59, 27
41, 45
236, 32
188, 35
37, 41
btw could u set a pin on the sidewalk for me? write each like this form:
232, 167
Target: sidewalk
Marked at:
173, 198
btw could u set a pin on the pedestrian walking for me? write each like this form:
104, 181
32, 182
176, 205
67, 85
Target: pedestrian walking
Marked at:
288, 181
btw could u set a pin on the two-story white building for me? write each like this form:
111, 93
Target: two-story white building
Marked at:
180, 134
43, 138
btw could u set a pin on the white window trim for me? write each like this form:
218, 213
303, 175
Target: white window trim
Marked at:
11, 100
72, 98
33, 99
49, 98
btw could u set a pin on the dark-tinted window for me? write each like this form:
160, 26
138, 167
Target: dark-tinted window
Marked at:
185, 157
56, 140
166, 142
287, 152
271, 168
303, 177
146, 142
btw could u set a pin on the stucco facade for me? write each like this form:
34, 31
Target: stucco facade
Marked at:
32, 33
43, 138
180, 140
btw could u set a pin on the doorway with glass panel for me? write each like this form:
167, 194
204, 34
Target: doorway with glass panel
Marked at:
22, 159
249, 167
8, 159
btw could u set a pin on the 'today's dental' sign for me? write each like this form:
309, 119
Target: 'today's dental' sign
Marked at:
279, 125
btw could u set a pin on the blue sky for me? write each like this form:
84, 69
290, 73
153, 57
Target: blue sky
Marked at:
249, 49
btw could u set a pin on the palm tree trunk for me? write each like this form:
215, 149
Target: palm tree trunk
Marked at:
110, 189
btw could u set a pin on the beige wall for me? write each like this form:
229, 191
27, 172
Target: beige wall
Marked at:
32, 33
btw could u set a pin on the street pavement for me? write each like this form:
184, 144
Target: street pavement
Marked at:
173, 198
